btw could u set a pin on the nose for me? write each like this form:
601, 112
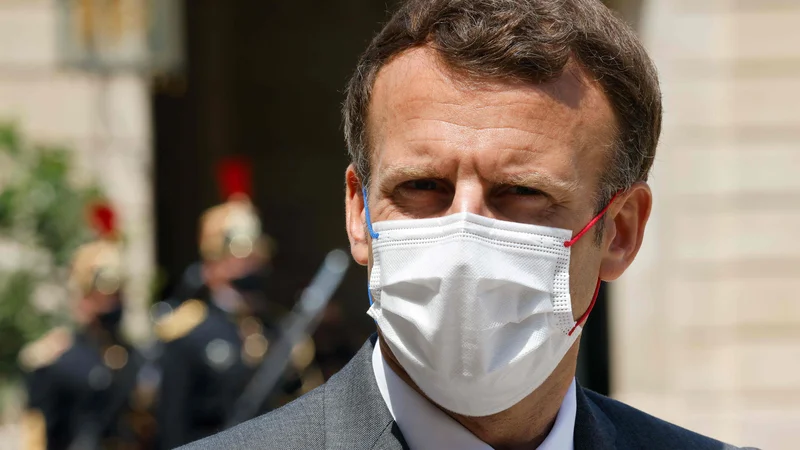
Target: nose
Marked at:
470, 197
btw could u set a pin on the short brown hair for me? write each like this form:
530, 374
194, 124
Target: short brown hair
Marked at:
530, 41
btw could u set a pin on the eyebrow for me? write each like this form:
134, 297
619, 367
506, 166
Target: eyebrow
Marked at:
396, 171
538, 179
530, 179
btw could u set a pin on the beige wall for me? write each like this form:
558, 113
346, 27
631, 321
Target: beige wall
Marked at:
707, 321
105, 120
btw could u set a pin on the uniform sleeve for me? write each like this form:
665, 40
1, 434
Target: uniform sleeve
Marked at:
173, 413
41, 417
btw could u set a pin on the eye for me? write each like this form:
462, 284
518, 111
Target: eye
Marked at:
522, 204
524, 191
420, 198
422, 185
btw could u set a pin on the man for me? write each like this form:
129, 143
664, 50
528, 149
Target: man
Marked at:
499, 150
84, 387
214, 342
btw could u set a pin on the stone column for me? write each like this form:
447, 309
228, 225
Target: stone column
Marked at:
706, 323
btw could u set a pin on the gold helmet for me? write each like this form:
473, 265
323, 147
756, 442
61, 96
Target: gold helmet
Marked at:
98, 265
233, 228
230, 229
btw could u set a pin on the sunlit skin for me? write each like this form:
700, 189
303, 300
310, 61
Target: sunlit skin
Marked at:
442, 144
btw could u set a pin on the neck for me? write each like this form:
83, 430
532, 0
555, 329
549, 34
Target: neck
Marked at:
524, 425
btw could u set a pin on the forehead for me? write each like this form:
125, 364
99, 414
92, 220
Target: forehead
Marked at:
417, 98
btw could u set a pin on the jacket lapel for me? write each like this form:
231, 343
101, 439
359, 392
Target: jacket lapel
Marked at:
391, 439
355, 415
357, 418
593, 429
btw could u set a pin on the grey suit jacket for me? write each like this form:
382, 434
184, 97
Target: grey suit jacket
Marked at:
348, 413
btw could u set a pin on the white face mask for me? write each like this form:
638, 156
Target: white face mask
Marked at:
476, 310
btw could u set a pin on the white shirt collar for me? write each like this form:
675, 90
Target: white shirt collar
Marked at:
424, 426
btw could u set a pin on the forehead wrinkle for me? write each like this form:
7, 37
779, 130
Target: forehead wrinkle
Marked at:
582, 121
468, 103
516, 117
474, 127
523, 167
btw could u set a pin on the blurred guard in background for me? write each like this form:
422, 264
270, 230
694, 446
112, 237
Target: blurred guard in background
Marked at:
82, 385
214, 342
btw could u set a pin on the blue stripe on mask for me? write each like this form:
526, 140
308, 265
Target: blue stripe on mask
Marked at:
372, 232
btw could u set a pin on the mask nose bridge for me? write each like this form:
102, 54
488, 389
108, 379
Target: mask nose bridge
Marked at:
469, 198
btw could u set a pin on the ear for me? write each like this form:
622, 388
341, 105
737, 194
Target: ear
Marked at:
355, 217
625, 224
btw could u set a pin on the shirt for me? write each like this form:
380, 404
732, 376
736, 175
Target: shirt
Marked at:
424, 426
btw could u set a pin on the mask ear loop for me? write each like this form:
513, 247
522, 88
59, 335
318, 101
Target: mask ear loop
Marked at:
585, 229
372, 233
572, 242
585, 315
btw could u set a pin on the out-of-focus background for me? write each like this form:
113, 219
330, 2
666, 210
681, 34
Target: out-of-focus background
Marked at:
137, 101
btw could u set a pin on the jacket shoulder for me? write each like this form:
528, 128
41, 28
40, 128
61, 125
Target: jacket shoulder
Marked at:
637, 429
298, 425
46, 350
186, 317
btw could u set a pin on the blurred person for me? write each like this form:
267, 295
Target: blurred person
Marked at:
189, 285
83, 386
214, 341
500, 151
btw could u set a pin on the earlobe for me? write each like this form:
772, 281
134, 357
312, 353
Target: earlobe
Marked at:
626, 224
355, 217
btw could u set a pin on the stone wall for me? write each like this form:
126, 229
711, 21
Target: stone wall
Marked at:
105, 119
706, 323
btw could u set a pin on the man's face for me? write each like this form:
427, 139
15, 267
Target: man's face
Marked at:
95, 304
532, 154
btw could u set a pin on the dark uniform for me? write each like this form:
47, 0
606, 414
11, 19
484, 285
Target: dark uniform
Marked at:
90, 389
75, 381
209, 355
208, 358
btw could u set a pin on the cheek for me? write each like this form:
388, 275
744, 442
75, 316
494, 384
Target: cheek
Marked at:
583, 272
109, 303
215, 272
233, 267
96, 304
84, 305
218, 272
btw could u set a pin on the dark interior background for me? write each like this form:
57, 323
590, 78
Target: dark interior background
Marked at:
265, 80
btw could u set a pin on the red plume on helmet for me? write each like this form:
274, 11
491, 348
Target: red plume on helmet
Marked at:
234, 177
103, 220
